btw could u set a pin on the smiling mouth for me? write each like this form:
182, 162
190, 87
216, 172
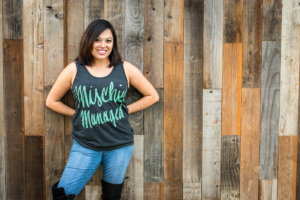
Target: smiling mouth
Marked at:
101, 52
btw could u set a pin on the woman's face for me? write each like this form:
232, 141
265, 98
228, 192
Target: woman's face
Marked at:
103, 45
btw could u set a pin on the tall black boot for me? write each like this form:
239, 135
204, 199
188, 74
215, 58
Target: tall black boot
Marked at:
111, 191
59, 193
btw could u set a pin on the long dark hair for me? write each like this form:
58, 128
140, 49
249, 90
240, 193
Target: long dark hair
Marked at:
90, 35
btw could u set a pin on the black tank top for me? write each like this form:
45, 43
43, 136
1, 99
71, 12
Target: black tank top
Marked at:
101, 118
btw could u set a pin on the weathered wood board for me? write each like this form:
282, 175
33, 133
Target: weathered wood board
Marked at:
2, 128
12, 19
268, 189
153, 191
271, 30
191, 191
2, 168
93, 9
93, 192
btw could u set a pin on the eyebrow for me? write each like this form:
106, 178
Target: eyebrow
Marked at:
101, 38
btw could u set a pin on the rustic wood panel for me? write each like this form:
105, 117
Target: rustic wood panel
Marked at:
211, 153
269, 110
93, 192
287, 167
153, 42
193, 86
268, 189
289, 73
173, 20
233, 21
153, 137
230, 167
232, 89
153, 191
34, 170
54, 122
252, 42
14, 111
191, 191
298, 155
212, 43
33, 43
250, 134
93, 9
2, 128
12, 19
271, 30
173, 120
2, 168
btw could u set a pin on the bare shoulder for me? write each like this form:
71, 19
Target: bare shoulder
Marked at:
130, 69
70, 71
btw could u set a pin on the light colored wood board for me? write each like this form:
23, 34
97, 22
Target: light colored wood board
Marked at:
153, 42
250, 135
93, 192
211, 154
153, 191
2, 127
114, 12
287, 167
12, 19
270, 83
271, 30
33, 34
233, 21
153, 149
191, 191
193, 86
230, 167
289, 72
268, 189
173, 20
93, 9
53, 65
252, 42
134, 180
298, 155
212, 43
173, 120
232, 89
2, 167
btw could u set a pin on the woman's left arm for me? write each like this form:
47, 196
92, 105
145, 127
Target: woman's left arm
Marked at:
138, 80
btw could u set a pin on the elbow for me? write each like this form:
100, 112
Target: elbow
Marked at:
48, 102
156, 98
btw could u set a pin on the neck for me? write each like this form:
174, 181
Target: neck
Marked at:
101, 63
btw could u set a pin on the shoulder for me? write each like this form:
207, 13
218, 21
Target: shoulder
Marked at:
130, 68
69, 71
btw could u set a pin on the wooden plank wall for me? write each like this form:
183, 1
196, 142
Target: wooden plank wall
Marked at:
227, 73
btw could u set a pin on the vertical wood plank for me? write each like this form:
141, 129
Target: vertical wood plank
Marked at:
193, 86
93, 192
268, 189
153, 42
2, 128
233, 21
93, 9
289, 72
2, 168
287, 168
54, 122
252, 42
12, 19
211, 167
191, 191
298, 154
269, 110
250, 134
153, 191
230, 167
212, 43
271, 30
232, 89
34, 170
173, 120
33, 43
14, 112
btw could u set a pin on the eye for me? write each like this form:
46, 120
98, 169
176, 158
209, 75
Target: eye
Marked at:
98, 40
108, 41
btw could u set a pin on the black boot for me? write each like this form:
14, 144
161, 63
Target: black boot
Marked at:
59, 193
111, 191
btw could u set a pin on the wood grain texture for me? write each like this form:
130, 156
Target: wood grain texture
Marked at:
298, 155
212, 43
2, 127
13, 113
2, 168
230, 167
54, 122
153, 138
93, 192
193, 86
250, 134
268, 189
269, 110
34, 169
233, 21
12, 19
33, 43
153, 191
153, 42
173, 20
289, 72
211, 153
232, 89
271, 30
191, 191
93, 9
287, 168
173, 120
252, 43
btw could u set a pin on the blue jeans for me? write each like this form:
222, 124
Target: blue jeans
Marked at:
83, 163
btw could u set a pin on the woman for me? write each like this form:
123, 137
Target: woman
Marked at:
101, 133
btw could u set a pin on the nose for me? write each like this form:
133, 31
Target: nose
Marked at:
102, 44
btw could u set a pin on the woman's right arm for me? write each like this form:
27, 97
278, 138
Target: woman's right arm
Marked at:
62, 84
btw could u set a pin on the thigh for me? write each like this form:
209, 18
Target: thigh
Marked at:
81, 165
115, 163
